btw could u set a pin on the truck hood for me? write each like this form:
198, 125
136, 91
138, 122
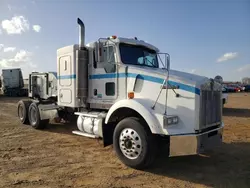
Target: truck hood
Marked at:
174, 75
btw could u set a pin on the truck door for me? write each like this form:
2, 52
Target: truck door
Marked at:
37, 85
42, 85
34, 85
103, 77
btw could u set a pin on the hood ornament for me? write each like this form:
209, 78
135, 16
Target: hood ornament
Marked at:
212, 84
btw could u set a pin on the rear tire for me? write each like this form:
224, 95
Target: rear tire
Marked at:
134, 144
34, 117
22, 111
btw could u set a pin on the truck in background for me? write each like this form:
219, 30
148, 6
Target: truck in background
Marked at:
224, 96
42, 85
12, 83
120, 94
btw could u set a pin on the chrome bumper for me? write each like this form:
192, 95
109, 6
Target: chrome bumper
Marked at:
196, 143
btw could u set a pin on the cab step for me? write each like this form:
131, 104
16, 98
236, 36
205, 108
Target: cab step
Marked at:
85, 134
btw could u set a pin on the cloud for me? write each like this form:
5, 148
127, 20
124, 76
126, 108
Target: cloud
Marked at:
193, 71
12, 8
9, 49
244, 68
22, 58
37, 28
227, 56
17, 25
0, 31
9, 7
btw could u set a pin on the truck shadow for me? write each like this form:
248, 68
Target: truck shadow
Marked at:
236, 112
61, 128
6, 99
227, 166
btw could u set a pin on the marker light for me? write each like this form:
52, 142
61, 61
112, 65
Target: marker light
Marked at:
112, 37
131, 95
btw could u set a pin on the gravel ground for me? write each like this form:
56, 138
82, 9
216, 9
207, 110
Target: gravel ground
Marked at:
55, 157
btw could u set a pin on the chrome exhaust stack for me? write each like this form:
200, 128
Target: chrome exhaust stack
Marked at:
81, 33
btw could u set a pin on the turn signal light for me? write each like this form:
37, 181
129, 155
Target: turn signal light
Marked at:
131, 95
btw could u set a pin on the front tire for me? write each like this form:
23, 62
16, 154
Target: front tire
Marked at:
34, 117
134, 144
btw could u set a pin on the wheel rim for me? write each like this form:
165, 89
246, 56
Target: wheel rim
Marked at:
33, 117
20, 112
130, 143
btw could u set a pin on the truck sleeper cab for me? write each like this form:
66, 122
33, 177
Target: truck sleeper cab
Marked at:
118, 91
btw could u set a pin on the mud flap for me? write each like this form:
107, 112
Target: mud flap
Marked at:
107, 132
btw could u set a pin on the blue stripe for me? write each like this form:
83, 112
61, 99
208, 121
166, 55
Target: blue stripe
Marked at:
140, 76
67, 77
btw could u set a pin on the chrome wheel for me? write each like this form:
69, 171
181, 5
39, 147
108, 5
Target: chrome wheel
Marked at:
130, 143
33, 115
21, 112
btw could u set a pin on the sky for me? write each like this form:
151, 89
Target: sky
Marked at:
203, 37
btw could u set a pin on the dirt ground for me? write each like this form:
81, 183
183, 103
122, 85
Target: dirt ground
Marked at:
55, 157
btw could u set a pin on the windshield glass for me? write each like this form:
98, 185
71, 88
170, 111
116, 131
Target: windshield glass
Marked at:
138, 55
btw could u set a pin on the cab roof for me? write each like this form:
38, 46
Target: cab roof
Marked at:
132, 41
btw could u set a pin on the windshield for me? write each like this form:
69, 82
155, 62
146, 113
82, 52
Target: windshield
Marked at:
138, 55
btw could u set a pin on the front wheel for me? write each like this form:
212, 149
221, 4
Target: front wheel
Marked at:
134, 143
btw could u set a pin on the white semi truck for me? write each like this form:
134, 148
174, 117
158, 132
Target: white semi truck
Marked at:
120, 94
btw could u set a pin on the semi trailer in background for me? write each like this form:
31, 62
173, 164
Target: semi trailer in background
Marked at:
12, 83
119, 93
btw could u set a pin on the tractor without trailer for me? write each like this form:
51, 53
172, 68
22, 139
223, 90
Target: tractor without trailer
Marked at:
119, 93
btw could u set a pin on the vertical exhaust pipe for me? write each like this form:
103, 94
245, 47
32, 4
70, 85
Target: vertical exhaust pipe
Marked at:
81, 80
81, 33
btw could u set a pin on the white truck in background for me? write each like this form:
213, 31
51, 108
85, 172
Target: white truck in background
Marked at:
224, 95
118, 92
42, 86
12, 83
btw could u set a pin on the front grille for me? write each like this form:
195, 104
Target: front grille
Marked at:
210, 108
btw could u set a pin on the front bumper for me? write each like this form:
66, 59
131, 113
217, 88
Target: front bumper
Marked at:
195, 143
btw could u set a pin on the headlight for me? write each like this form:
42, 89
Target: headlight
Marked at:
170, 120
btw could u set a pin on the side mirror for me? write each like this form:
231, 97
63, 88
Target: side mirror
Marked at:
168, 62
99, 52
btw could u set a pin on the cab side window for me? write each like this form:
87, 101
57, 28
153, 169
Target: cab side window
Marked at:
109, 59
